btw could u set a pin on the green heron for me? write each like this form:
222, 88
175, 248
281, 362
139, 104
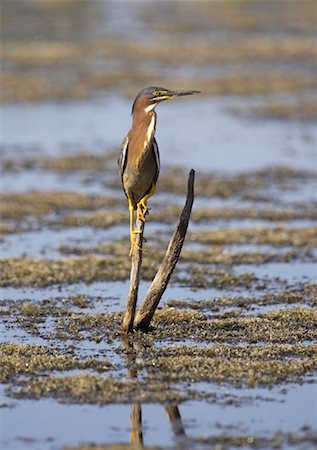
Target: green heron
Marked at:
139, 160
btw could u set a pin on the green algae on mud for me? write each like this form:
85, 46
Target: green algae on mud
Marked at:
35, 272
202, 255
185, 19
6, 228
109, 447
203, 277
292, 325
238, 365
17, 272
18, 359
95, 389
302, 295
303, 109
27, 272
225, 441
249, 184
26, 87
276, 236
81, 162
19, 205
284, 355
34, 86
22, 208
170, 214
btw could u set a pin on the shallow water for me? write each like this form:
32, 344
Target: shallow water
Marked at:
57, 424
204, 133
219, 141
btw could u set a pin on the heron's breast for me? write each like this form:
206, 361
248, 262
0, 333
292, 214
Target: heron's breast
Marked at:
137, 181
140, 141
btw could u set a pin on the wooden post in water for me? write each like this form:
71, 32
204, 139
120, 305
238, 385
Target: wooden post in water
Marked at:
136, 262
141, 320
162, 277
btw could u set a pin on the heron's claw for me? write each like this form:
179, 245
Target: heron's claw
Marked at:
133, 242
142, 214
142, 210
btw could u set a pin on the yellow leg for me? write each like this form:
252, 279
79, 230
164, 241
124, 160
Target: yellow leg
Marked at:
142, 208
132, 230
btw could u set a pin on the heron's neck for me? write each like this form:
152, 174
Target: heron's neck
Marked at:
144, 124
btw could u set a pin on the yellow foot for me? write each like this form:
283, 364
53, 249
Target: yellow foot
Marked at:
142, 211
133, 242
141, 214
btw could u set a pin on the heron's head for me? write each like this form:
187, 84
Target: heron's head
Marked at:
149, 97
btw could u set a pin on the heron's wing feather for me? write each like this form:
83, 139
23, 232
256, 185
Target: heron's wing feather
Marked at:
122, 160
157, 159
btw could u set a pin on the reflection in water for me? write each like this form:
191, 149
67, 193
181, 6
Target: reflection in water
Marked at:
175, 420
136, 434
172, 411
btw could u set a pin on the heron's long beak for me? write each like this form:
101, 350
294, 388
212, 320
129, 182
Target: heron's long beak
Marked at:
181, 93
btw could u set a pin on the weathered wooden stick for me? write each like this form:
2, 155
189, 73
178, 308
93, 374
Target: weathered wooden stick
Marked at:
145, 313
136, 261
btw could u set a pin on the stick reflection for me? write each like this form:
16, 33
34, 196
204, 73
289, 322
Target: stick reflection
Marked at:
172, 411
136, 434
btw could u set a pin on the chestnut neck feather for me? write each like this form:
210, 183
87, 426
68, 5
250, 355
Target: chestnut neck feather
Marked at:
142, 132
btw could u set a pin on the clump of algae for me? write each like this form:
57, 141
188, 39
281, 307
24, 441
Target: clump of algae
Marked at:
81, 162
35, 87
17, 359
275, 236
211, 254
227, 440
184, 19
291, 325
96, 220
170, 213
283, 214
303, 109
90, 388
87, 269
108, 447
238, 364
19, 205
275, 441
283, 356
306, 295
6, 228
205, 277
254, 183
28, 272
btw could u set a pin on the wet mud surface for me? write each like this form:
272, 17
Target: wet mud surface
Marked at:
231, 358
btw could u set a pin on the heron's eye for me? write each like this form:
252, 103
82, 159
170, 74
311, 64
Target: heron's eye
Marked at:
156, 93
